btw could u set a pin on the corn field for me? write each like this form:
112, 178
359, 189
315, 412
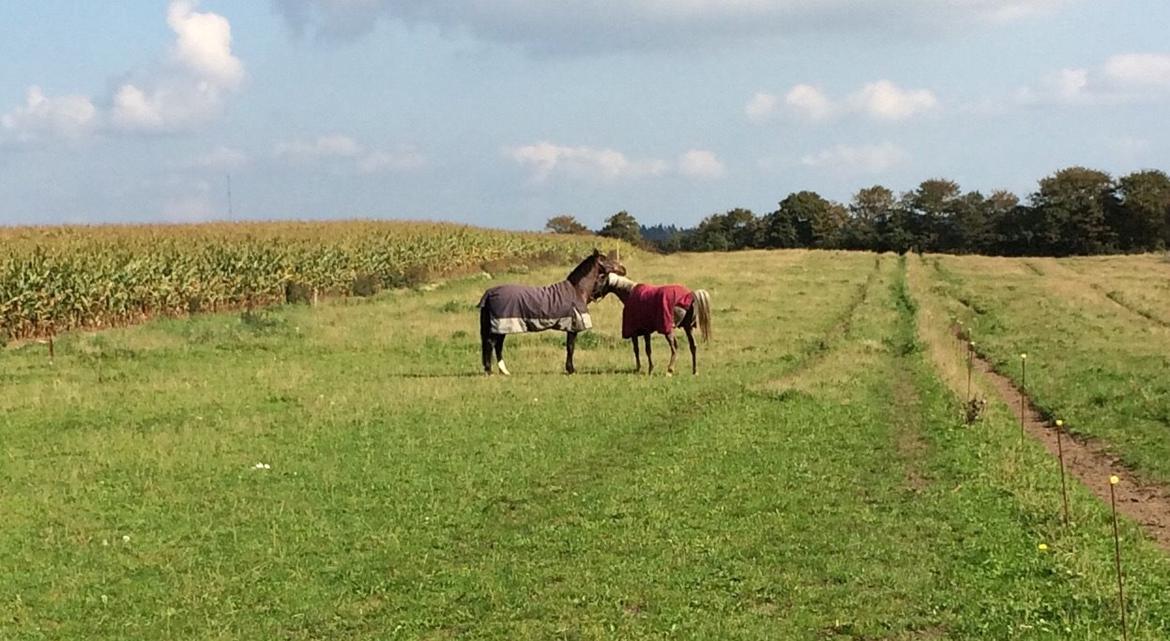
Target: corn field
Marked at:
54, 279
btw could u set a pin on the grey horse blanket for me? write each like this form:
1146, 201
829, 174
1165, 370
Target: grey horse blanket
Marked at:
513, 309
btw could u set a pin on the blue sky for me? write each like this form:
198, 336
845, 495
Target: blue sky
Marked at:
507, 112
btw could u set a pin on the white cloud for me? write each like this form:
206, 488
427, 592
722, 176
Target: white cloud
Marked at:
1067, 86
187, 89
699, 163
204, 45
41, 116
1139, 70
193, 87
344, 152
1123, 78
880, 100
403, 159
1070, 84
762, 107
886, 101
809, 102
600, 25
545, 158
866, 158
166, 105
133, 108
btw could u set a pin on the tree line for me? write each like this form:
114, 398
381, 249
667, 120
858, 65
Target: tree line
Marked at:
1075, 211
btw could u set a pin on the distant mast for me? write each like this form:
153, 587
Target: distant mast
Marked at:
231, 214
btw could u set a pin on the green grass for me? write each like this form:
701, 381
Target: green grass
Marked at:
814, 482
1098, 351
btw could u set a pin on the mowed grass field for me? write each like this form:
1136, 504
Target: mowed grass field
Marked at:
1096, 331
815, 481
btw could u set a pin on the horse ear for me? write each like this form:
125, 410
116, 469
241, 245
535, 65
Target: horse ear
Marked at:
596, 252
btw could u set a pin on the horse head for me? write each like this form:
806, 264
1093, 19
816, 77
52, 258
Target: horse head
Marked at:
611, 264
611, 267
608, 265
590, 274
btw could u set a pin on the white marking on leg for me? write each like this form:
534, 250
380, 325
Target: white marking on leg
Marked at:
504, 369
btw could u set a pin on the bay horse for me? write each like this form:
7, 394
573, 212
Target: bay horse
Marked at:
563, 306
649, 308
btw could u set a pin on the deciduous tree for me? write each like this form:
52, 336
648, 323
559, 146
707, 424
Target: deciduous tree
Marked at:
1071, 212
624, 226
566, 224
1143, 222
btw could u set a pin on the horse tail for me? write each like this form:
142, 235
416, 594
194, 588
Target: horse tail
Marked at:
485, 316
703, 312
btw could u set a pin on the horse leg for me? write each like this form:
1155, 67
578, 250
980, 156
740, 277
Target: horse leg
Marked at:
570, 343
498, 339
649, 358
485, 338
690, 330
673, 342
637, 356
487, 354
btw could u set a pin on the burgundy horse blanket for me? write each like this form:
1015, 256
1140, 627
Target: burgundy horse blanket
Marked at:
513, 309
650, 309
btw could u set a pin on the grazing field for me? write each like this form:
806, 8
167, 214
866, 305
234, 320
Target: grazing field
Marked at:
815, 481
1097, 335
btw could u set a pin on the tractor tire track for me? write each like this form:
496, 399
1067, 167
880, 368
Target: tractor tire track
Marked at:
905, 414
1116, 300
838, 329
907, 429
1145, 502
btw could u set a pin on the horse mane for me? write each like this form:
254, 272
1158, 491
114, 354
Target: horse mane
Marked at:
584, 269
620, 282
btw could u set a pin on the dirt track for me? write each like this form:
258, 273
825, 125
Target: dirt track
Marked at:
1146, 503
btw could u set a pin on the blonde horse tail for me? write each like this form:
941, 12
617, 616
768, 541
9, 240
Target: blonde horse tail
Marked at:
703, 313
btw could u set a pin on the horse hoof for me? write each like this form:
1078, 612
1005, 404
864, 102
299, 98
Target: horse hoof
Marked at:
504, 369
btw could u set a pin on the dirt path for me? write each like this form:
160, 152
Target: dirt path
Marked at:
1148, 504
